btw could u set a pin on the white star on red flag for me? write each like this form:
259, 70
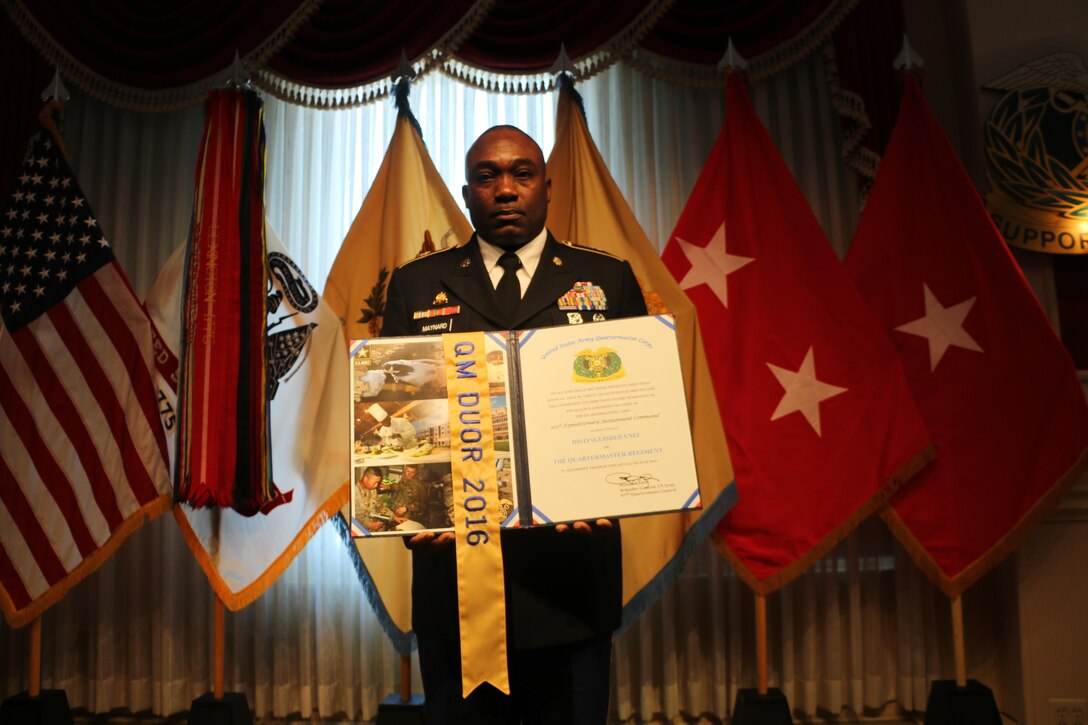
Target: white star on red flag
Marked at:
942, 327
711, 265
803, 391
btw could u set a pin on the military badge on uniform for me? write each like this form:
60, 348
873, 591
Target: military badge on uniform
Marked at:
598, 317
574, 318
583, 296
557, 261
465, 263
440, 299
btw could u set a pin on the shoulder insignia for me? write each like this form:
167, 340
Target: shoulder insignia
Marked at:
425, 255
583, 248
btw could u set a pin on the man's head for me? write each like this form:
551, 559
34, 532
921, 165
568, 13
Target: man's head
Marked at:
372, 476
410, 471
506, 187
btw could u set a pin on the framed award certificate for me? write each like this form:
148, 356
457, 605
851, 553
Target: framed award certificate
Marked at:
578, 422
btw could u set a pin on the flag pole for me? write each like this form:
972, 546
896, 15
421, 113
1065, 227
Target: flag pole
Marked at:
35, 688
763, 705
406, 678
53, 98
761, 642
219, 617
958, 641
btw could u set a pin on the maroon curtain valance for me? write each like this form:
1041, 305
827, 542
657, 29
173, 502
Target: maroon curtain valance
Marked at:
160, 54
156, 44
696, 31
524, 36
354, 42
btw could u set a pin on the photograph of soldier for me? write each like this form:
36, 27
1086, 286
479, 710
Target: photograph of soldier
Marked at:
410, 498
367, 505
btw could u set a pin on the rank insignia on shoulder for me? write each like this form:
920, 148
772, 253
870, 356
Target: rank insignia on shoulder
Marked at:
583, 296
436, 312
440, 299
574, 318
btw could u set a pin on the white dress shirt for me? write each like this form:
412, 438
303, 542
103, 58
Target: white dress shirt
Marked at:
528, 254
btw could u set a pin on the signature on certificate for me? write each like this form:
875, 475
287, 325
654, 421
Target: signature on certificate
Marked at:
628, 479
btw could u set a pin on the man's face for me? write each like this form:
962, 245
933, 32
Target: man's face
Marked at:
371, 480
506, 190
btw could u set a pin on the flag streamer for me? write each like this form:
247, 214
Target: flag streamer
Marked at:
223, 406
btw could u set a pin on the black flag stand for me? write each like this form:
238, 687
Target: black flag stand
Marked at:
36, 706
403, 708
960, 701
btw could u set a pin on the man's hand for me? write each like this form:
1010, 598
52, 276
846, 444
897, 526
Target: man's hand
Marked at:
583, 527
426, 542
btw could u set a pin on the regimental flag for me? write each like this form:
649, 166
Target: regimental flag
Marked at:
587, 208
814, 401
307, 376
995, 387
407, 210
82, 454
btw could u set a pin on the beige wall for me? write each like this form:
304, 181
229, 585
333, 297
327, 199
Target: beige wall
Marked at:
1027, 628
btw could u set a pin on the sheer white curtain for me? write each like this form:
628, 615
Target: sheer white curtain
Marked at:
858, 631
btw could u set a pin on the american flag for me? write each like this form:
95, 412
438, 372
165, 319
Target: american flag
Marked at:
82, 451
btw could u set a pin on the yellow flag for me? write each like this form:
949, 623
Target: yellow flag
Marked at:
407, 207
587, 208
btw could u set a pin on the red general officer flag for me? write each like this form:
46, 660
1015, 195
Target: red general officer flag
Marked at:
996, 388
816, 409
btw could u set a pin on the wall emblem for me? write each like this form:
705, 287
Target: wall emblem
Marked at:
1037, 155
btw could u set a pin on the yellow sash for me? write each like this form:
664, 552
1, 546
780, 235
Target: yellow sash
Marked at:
481, 598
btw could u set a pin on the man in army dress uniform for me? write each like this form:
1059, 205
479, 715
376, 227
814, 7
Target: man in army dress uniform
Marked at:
563, 583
